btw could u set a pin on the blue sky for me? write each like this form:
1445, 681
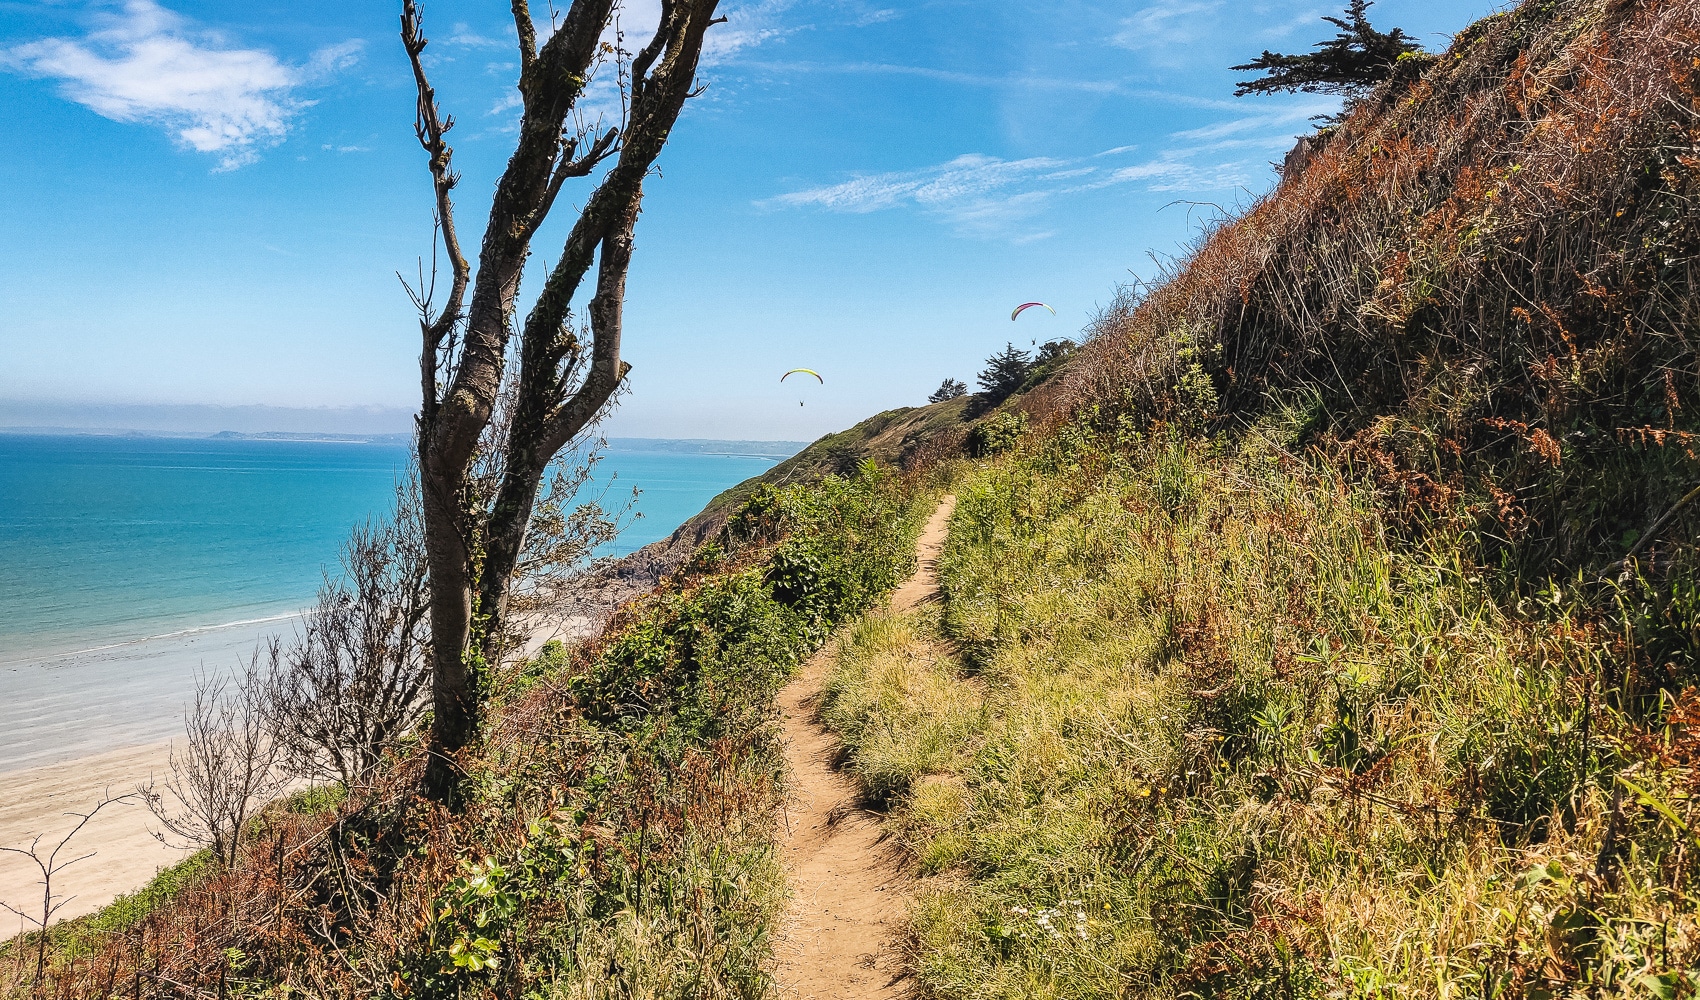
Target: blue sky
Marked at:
206, 203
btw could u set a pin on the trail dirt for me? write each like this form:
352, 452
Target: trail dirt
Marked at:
840, 937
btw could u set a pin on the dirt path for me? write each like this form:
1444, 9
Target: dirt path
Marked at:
849, 887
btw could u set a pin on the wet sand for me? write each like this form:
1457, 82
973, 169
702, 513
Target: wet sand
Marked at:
68, 706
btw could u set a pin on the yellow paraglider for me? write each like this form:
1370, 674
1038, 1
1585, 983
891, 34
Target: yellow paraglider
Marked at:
804, 371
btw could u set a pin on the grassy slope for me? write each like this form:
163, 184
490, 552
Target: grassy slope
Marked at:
902, 438
1480, 289
1293, 655
1188, 724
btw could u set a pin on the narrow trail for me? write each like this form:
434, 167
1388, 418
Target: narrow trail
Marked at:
849, 886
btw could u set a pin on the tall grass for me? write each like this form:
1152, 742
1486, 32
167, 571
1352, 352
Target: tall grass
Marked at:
1192, 723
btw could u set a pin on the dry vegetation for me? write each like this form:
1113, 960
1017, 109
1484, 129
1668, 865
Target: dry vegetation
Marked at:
1482, 286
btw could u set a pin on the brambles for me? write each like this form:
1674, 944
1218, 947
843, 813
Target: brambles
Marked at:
997, 433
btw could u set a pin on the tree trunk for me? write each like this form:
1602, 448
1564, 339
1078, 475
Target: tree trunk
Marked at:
474, 541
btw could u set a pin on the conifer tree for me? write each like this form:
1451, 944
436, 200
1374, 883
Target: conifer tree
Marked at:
1356, 58
1005, 372
948, 390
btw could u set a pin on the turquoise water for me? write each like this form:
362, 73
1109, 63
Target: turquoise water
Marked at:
128, 563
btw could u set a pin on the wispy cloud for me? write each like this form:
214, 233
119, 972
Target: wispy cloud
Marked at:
463, 35
975, 194
985, 196
1167, 24
961, 185
993, 81
144, 63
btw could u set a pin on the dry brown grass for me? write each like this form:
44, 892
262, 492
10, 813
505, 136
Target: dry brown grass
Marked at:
1487, 270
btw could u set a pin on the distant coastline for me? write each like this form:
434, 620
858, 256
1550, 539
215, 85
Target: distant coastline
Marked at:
668, 446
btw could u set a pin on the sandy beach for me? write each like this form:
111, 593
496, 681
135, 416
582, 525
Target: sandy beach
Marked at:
125, 853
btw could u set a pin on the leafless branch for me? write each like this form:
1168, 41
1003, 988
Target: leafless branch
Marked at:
50, 866
227, 767
430, 125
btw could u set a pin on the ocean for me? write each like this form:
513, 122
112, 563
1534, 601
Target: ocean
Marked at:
127, 564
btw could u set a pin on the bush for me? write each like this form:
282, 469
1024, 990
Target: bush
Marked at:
997, 433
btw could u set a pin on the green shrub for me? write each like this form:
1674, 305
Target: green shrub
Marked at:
998, 433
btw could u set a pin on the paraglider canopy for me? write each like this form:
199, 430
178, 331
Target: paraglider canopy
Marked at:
805, 371
1023, 307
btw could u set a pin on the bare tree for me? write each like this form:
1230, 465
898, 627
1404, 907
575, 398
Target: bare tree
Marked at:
355, 680
227, 768
50, 866
475, 538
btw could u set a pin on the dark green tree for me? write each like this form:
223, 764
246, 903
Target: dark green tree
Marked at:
948, 390
1356, 58
1052, 351
1005, 372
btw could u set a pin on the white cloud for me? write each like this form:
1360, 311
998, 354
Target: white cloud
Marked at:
1311, 18
333, 59
1168, 24
146, 64
959, 185
878, 16
982, 195
463, 35
1262, 128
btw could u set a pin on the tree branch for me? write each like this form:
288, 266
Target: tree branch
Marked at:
569, 168
527, 35
646, 56
431, 126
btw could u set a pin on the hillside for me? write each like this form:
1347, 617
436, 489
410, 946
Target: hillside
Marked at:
1335, 634
910, 437
1326, 626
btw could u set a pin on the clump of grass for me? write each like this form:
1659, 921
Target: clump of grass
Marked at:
900, 701
1227, 736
